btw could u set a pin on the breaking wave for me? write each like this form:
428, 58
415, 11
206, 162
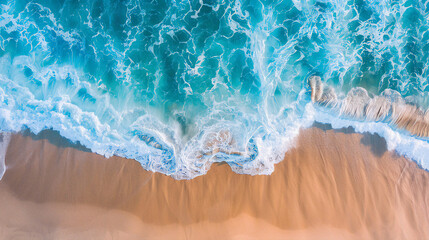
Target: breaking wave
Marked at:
179, 85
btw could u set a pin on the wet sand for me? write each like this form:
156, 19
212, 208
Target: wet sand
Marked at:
335, 184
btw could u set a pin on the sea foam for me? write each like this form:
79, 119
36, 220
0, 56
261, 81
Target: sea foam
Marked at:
4, 142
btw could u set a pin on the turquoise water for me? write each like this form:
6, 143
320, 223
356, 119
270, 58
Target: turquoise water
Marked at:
178, 85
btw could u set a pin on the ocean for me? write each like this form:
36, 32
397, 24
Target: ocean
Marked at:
179, 85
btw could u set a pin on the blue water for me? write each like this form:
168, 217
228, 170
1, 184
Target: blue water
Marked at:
178, 85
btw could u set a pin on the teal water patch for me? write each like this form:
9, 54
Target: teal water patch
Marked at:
178, 85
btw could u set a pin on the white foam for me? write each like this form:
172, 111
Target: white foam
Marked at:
5, 139
157, 146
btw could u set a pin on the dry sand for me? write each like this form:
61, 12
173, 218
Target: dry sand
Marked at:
332, 185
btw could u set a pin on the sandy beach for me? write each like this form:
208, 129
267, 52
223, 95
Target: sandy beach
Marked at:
334, 184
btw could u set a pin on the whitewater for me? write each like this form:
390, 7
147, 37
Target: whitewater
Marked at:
179, 85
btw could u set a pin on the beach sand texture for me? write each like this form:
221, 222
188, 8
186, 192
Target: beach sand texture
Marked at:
334, 184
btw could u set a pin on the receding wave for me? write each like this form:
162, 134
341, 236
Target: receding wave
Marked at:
389, 107
401, 121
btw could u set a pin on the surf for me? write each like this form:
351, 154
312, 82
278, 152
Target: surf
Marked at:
180, 85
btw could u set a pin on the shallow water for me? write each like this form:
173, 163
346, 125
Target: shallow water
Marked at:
178, 85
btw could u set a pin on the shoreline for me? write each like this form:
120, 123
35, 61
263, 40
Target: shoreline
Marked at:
334, 183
